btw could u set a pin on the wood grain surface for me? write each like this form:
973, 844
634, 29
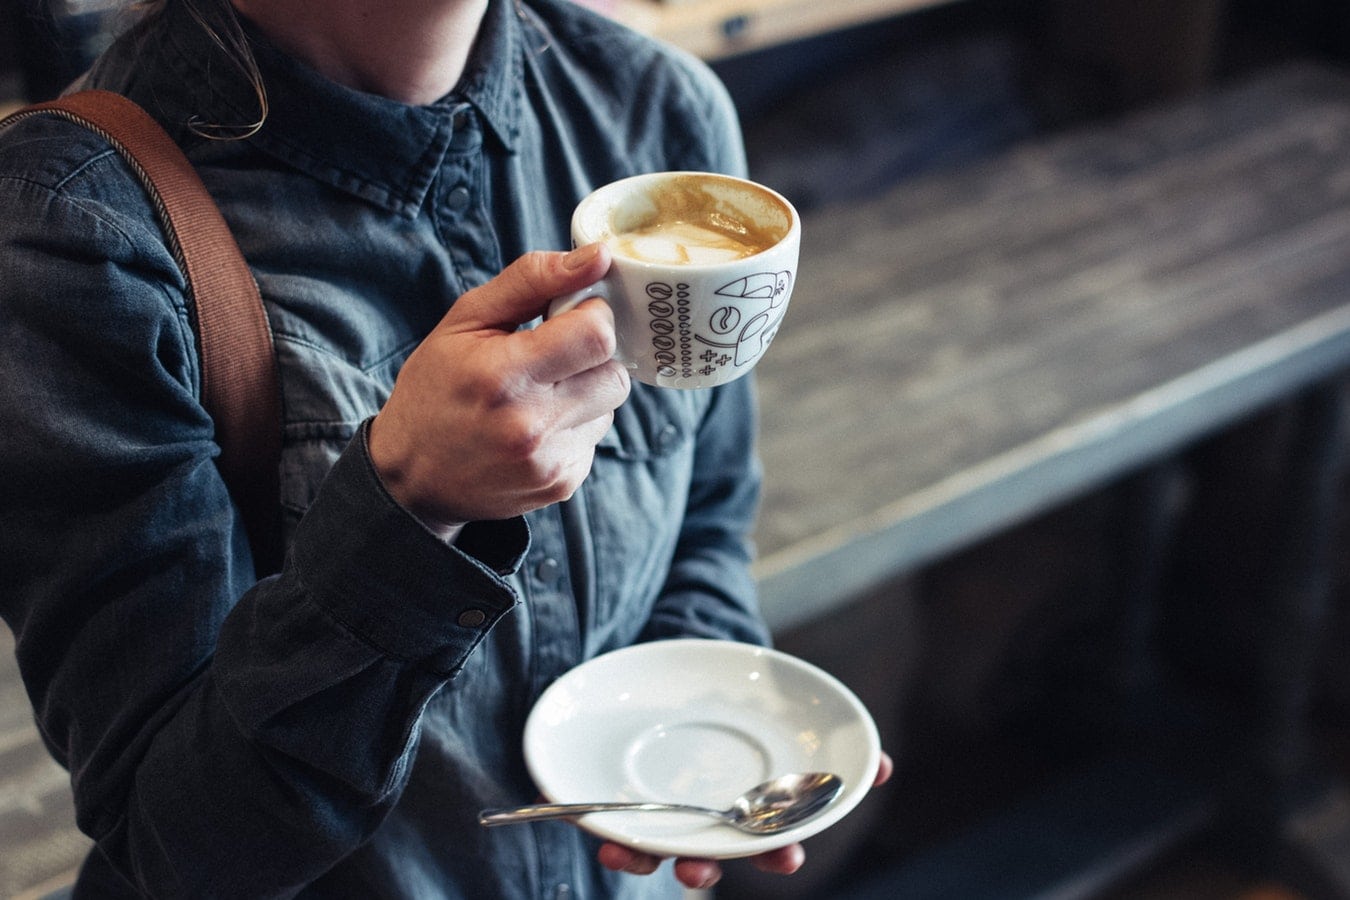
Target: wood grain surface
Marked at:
965, 350
38, 840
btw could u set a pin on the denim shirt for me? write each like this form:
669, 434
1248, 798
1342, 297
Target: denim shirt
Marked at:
333, 730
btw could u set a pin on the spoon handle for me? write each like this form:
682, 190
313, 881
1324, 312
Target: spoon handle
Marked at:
536, 812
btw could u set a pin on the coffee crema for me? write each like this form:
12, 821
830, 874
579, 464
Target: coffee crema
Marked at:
681, 243
689, 226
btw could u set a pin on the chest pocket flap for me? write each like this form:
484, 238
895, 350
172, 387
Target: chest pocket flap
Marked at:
655, 422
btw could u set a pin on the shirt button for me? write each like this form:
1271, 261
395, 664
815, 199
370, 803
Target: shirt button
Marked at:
464, 137
547, 570
665, 438
472, 618
458, 199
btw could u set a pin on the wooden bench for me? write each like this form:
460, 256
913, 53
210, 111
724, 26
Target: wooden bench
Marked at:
971, 349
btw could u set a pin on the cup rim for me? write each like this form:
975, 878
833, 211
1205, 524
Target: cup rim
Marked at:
792, 234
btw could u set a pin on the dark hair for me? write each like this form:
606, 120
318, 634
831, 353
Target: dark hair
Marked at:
218, 19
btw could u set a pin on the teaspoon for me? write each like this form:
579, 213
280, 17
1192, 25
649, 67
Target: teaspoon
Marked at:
764, 809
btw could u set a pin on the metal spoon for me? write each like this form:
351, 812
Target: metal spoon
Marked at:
764, 809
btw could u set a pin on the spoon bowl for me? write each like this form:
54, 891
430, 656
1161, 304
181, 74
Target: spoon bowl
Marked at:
767, 808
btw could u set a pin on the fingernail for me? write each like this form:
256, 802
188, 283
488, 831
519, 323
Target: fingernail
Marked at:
580, 257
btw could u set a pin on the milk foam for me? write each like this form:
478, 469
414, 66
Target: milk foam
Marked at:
681, 243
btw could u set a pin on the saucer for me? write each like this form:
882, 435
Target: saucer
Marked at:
698, 722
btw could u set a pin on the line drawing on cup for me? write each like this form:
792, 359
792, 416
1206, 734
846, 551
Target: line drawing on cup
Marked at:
749, 331
662, 323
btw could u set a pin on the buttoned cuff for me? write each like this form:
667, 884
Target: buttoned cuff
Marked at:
372, 565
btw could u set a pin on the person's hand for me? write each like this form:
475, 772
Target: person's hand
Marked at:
700, 874
487, 421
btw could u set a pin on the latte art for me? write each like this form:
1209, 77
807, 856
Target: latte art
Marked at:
688, 220
683, 243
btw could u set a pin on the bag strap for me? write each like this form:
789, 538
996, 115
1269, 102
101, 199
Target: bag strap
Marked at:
238, 365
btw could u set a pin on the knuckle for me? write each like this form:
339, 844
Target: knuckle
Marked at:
597, 341
590, 332
567, 477
622, 382
500, 389
536, 268
523, 436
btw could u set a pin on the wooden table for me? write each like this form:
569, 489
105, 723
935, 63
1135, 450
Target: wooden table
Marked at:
968, 350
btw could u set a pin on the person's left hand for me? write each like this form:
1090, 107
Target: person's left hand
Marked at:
700, 874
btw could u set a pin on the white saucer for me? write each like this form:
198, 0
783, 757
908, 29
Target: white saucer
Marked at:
696, 721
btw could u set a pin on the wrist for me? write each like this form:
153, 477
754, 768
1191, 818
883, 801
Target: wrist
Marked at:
394, 482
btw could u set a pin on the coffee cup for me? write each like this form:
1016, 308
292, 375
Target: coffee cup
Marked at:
703, 267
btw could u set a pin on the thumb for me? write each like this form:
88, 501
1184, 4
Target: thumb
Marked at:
525, 288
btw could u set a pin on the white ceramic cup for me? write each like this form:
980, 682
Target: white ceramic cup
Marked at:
691, 309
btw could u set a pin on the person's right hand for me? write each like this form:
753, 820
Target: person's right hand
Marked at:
486, 421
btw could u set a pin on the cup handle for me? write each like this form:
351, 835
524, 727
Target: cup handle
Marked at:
601, 291
560, 305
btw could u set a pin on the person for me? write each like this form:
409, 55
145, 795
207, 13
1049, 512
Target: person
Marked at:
474, 501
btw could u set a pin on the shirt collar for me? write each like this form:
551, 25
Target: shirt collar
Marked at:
378, 149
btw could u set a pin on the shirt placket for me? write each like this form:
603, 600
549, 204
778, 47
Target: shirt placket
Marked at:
556, 627
460, 208
555, 647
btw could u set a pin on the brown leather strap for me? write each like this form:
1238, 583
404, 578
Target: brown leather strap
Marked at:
238, 365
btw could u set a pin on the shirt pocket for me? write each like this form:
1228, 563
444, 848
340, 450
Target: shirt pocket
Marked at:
635, 500
325, 398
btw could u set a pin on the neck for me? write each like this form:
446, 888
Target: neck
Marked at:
413, 51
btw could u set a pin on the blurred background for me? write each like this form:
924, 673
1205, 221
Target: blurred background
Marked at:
983, 668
